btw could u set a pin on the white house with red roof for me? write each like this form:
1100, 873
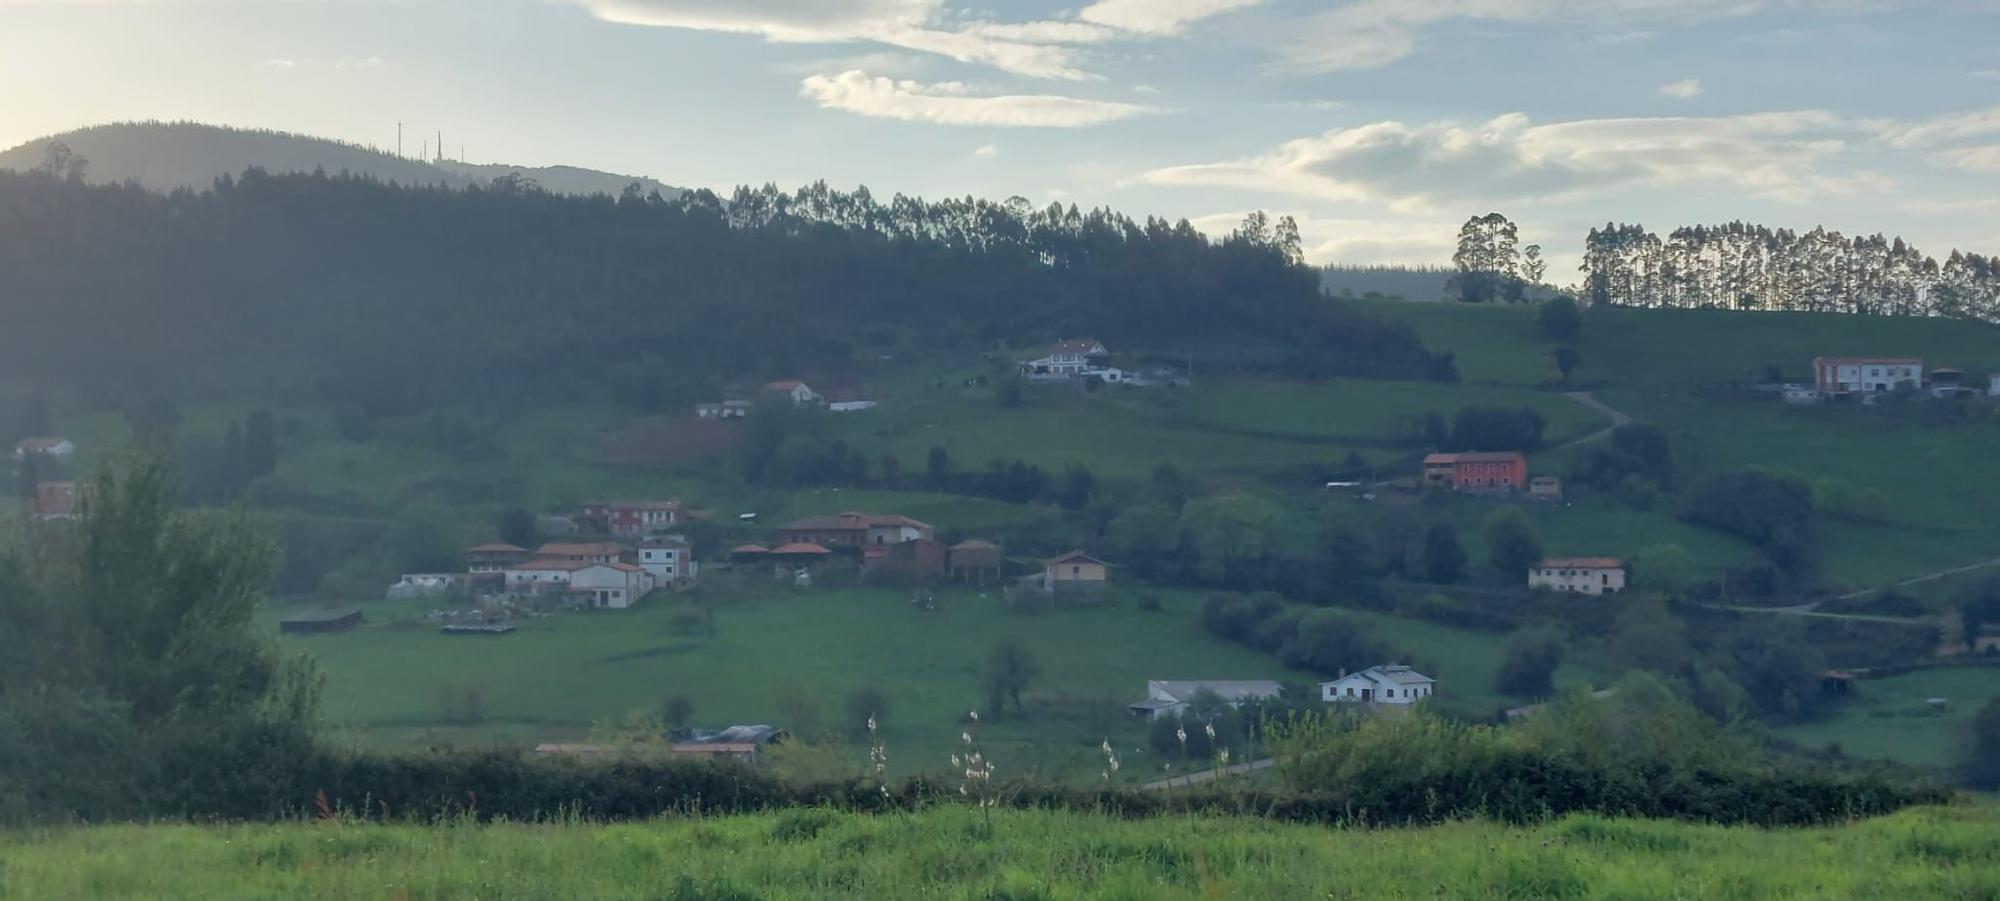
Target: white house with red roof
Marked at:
1834, 376
800, 393
1075, 359
541, 576
1579, 575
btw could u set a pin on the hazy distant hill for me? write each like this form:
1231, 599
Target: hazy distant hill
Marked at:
168, 155
1421, 283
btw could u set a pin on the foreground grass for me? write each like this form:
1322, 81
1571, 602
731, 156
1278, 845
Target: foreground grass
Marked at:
1930, 852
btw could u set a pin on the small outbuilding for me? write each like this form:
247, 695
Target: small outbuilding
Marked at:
314, 621
975, 560
1075, 574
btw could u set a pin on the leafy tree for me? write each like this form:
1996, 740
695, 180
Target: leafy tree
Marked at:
1148, 536
1566, 359
1496, 429
678, 711
1777, 668
937, 466
1232, 535
891, 469
1172, 487
1533, 267
1511, 546
423, 540
1979, 759
1978, 603
1010, 669
800, 710
1529, 668
1760, 505
1560, 320
1444, 557
517, 527
1647, 636
1665, 568
1078, 488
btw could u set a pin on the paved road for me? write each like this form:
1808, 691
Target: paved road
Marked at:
1928, 577
1209, 775
1587, 399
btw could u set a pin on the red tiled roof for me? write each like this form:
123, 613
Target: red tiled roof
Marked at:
785, 385
585, 549
39, 443
554, 565
1580, 563
974, 544
852, 521
496, 547
800, 547
749, 549
1869, 361
1474, 457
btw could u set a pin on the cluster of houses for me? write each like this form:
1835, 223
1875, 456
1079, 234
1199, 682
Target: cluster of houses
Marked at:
51, 498
1866, 378
793, 391
1393, 685
893, 544
1081, 360
641, 554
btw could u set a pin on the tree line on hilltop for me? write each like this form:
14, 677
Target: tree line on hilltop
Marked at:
400, 298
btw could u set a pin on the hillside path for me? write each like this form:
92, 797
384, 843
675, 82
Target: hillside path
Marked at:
1209, 775
1812, 609
1926, 577
1618, 418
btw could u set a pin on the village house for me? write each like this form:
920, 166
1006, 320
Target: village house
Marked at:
799, 392
54, 500
975, 560
1388, 684
546, 576
1171, 697
610, 586
798, 553
59, 448
1073, 360
583, 552
854, 530
1579, 575
631, 519
424, 585
667, 559
1545, 488
557, 525
1840, 376
918, 557
1947, 383
1075, 574
1477, 472
487, 563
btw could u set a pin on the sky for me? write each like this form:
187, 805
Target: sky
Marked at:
1380, 125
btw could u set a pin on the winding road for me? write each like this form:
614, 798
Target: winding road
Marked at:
1618, 418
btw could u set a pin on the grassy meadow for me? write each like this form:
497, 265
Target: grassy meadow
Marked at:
1889, 718
959, 852
556, 677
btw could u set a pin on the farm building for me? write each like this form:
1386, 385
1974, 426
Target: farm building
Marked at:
1075, 573
1389, 684
918, 557
610, 586
631, 519
488, 562
1170, 697
1075, 358
854, 530
1579, 575
312, 621
1483, 472
1545, 488
800, 553
975, 560
424, 585
740, 743
1837, 376
544, 576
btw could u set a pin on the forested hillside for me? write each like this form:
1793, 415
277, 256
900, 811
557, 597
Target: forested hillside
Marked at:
169, 156
375, 292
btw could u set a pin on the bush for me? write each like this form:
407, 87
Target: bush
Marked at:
1530, 666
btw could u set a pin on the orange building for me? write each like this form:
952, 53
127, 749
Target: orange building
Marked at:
1504, 471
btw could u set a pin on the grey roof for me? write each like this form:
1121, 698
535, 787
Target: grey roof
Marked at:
1241, 690
322, 615
1393, 674
1152, 704
758, 734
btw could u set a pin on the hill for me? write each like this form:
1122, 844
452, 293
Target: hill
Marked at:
962, 852
166, 156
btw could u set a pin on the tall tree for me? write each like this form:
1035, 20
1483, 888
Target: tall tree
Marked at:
1010, 669
1511, 545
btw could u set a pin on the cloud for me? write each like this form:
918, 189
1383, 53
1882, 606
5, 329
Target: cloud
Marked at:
1158, 18
952, 103
1364, 34
1943, 129
1987, 74
1042, 49
1767, 155
1985, 158
1388, 242
1685, 89
278, 63
986, 151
